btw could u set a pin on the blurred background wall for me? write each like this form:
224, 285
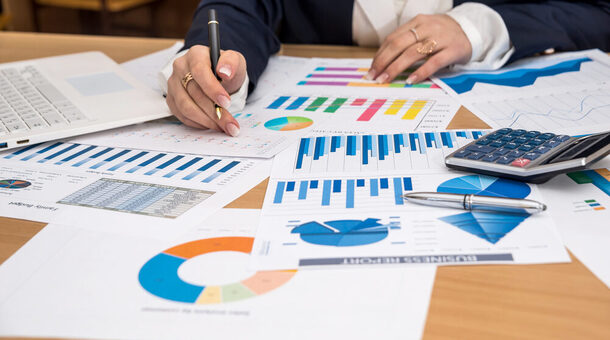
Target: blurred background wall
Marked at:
160, 18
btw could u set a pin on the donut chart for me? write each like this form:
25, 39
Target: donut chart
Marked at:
290, 123
14, 184
159, 276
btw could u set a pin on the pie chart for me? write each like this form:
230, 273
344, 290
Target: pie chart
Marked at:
342, 233
14, 184
289, 123
159, 276
489, 226
485, 185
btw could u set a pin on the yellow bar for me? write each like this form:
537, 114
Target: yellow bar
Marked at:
395, 107
415, 108
363, 69
605, 173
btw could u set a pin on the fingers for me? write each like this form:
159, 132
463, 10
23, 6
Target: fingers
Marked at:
226, 122
231, 69
198, 63
185, 107
404, 61
395, 45
436, 62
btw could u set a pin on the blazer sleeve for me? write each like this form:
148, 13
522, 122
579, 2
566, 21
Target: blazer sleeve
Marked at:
561, 25
246, 26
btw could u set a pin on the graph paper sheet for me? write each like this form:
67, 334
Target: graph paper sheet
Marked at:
566, 90
337, 201
197, 282
120, 188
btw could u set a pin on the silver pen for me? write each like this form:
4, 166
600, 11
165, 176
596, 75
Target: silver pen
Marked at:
475, 202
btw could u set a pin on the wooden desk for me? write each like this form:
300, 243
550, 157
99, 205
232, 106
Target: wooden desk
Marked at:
554, 301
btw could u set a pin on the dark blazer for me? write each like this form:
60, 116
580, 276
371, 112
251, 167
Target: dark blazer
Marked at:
256, 27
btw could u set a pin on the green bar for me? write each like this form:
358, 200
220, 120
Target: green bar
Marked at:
590, 201
335, 105
427, 86
396, 85
316, 104
580, 177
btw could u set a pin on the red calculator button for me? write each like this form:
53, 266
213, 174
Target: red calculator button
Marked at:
520, 162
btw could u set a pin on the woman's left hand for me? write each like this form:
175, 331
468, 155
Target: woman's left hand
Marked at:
437, 37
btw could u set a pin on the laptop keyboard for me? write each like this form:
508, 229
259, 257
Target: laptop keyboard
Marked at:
29, 101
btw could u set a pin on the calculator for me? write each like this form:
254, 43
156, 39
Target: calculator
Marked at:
529, 156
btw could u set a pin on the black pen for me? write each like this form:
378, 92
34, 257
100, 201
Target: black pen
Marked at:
214, 38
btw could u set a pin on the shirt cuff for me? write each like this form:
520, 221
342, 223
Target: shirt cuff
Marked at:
238, 98
488, 36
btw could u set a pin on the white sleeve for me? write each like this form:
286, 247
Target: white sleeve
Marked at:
485, 29
238, 98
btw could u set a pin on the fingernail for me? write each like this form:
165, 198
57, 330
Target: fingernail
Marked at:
382, 78
223, 101
232, 129
226, 70
412, 79
370, 75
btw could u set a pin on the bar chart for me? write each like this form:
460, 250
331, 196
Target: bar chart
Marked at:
401, 151
600, 178
137, 198
349, 193
363, 109
355, 76
184, 167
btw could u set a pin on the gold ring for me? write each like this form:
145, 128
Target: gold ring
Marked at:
426, 47
185, 80
415, 34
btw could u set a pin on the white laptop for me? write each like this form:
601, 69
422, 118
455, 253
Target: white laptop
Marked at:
58, 97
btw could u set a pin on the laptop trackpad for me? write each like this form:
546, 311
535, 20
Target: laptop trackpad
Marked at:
98, 84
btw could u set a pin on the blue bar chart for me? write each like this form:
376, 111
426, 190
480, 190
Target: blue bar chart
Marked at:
339, 193
183, 167
416, 150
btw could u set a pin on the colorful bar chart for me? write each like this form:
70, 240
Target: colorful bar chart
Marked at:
415, 150
205, 169
340, 193
598, 177
365, 109
355, 76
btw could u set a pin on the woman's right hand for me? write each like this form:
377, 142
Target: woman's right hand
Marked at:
194, 106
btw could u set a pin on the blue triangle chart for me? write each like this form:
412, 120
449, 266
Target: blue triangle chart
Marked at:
489, 226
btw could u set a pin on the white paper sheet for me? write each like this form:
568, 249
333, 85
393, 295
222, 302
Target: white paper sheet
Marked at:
550, 93
99, 285
340, 210
122, 189
580, 204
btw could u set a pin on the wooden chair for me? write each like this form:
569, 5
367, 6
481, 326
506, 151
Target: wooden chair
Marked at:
105, 8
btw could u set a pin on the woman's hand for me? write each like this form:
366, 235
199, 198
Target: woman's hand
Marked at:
194, 105
437, 37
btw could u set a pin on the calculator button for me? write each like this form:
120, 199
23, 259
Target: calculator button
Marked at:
516, 153
552, 143
562, 138
518, 132
532, 155
505, 160
502, 151
506, 138
479, 148
483, 141
520, 140
511, 145
546, 136
526, 147
532, 134
542, 149
536, 141
493, 136
496, 144
490, 157
476, 155
504, 131
520, 162
461, 154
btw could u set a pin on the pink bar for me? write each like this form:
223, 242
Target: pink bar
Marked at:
434, 86
358, 102
370, 112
